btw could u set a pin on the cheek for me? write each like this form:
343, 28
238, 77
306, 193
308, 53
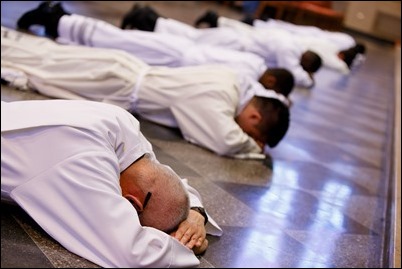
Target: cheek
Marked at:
257, 138
240, 121
252, 133
246, 128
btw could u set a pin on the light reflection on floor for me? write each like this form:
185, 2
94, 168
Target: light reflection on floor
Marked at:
319, 201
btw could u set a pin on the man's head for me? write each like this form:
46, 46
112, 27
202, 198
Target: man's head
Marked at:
141, 18
360, 48
266, 120
156, 192
248, 19
348, 56
310, 61
279, 80
208, 19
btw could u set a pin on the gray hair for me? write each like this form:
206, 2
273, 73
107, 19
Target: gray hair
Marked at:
169, 204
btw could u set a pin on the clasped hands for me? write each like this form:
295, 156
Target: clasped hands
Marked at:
192, 233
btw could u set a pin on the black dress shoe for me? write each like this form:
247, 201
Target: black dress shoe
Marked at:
141, 18
210, 18
47, 14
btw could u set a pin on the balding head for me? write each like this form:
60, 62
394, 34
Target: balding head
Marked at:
168, 204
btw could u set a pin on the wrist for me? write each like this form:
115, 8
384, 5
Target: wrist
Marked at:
202, 212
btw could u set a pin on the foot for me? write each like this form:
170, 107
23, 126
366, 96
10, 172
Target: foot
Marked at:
210, 18
47, 14
141, 18
130, 17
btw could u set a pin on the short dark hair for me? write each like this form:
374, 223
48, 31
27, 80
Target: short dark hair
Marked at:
310, 61
285, 80
360, 48
248, 19
348, 56
275, 119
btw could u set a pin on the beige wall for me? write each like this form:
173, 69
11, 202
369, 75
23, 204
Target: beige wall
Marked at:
381, 19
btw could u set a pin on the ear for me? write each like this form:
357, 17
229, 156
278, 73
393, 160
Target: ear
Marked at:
268, 81
254, 116
135, 202
271, 82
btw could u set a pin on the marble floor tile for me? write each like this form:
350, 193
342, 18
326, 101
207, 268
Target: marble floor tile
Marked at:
319, 200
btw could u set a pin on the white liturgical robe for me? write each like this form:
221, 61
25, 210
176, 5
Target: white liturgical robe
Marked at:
276, 49
200, 100
155, 48
61, 162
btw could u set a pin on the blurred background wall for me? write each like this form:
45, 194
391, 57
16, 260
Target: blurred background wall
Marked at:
380, 19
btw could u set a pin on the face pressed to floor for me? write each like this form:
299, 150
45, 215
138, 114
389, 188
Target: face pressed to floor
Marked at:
248, 120
320, 180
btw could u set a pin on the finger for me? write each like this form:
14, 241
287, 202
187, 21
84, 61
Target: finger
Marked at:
178, 235
192, 242
200, 250
186, 237
198, 243
180, 232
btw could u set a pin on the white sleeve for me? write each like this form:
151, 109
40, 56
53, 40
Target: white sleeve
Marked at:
239, 26
244, 63
332, 61
174, 27
15, 78
212, 125
90, 218
291, 61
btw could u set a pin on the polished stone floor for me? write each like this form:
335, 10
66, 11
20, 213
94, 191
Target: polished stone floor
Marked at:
320, 200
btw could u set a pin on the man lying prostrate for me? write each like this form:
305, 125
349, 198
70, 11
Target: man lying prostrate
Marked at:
161, 49
277, 50
207, 103
87, 175
338, 51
